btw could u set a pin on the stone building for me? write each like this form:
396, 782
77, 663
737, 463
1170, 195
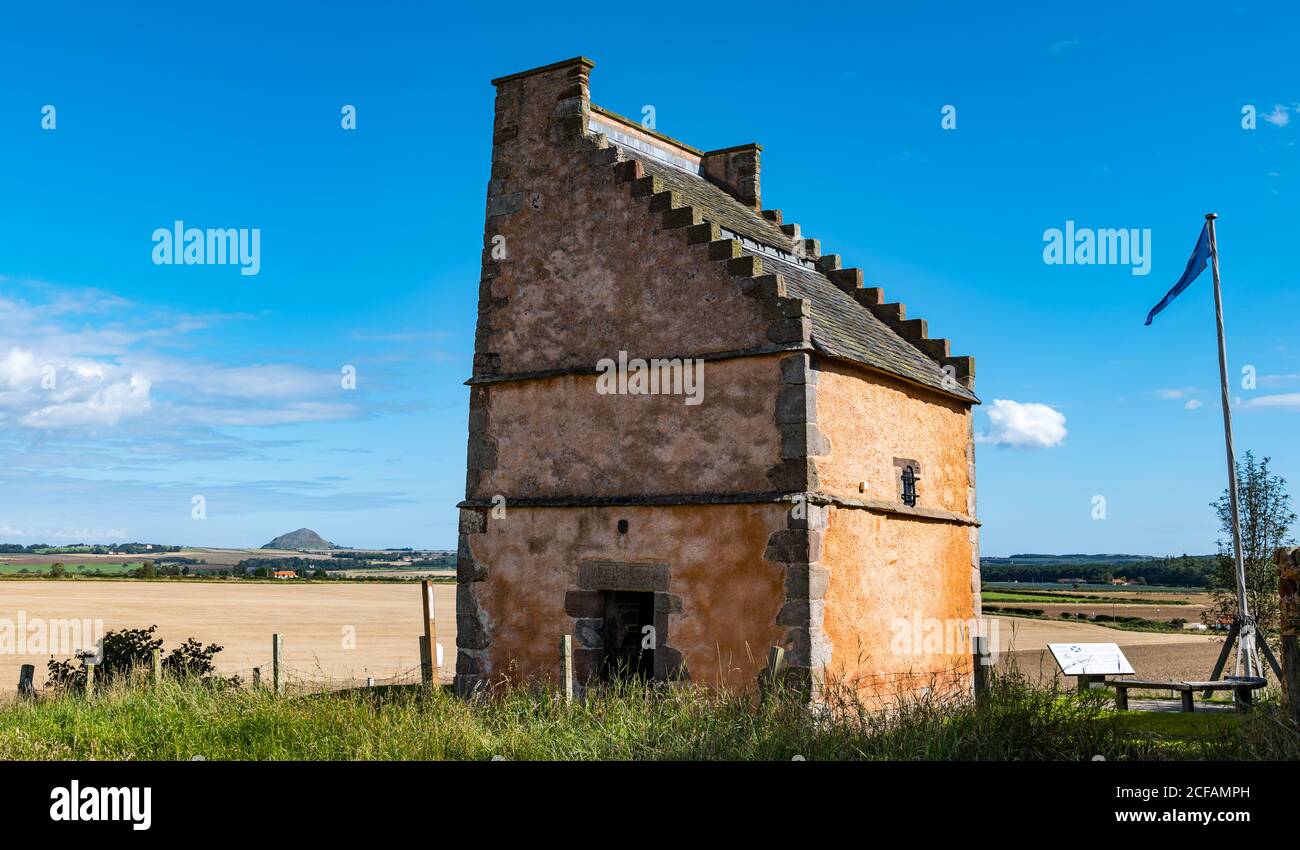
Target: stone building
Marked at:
693, 433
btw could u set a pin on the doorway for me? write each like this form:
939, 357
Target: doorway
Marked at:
629, 645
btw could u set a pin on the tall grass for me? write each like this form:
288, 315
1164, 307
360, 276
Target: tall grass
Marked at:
180, 720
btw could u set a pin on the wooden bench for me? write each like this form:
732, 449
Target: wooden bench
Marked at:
1242, 688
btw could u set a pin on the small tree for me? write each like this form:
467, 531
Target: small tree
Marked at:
1266, 520
58, 570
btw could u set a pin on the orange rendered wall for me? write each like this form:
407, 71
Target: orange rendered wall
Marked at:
730, 594
885, 573
870, 420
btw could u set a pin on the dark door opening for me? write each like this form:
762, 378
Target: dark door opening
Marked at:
629, 645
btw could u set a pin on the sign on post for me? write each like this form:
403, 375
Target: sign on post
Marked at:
430, 657
1090, 659
1090, 662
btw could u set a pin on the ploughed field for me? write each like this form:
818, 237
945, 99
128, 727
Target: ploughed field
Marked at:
335, 634
1162, 606
1154, 655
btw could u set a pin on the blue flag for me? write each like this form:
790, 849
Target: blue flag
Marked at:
1195, 265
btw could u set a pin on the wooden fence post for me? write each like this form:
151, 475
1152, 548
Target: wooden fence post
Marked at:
1288, 588
277, 674
90, 677
980, 664
566, 666
25, 686
257, 678
426, 665
155, 657
430, 632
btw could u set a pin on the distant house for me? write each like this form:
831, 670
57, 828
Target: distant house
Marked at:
284, 574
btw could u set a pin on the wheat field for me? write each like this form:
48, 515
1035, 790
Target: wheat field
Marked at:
335, 633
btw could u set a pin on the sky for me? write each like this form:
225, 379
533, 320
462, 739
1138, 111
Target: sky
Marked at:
935, 146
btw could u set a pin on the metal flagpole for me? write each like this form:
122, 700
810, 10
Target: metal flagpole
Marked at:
1247, 659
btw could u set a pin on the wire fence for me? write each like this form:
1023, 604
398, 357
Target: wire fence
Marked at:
320, 680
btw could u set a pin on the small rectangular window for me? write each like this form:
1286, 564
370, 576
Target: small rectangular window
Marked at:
908, 473
909, 486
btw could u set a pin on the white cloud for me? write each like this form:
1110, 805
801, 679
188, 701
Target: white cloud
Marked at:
1279, 117
105, 405
42, 392
83, 359
263, 381
1024, 425
281, 414
1278, 380
1285, 401
1187, 393
80, 535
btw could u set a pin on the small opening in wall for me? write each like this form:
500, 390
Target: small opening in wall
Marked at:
909, 486
622, 526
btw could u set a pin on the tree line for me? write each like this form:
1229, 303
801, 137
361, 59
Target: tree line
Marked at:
1182, 571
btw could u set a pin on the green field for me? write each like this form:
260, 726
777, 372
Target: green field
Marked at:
1070, 598
108, 568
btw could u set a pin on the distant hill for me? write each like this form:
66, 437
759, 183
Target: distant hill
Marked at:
303, 538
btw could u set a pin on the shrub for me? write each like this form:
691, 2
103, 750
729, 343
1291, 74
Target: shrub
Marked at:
128, 650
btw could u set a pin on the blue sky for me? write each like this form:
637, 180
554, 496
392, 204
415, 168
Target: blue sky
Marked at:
182, 381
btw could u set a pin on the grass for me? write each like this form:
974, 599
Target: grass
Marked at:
1049, 596
1179, 725
113, 568
1018, 721
1092, 587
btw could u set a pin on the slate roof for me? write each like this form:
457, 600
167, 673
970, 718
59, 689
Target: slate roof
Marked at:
841, 327
715, 204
